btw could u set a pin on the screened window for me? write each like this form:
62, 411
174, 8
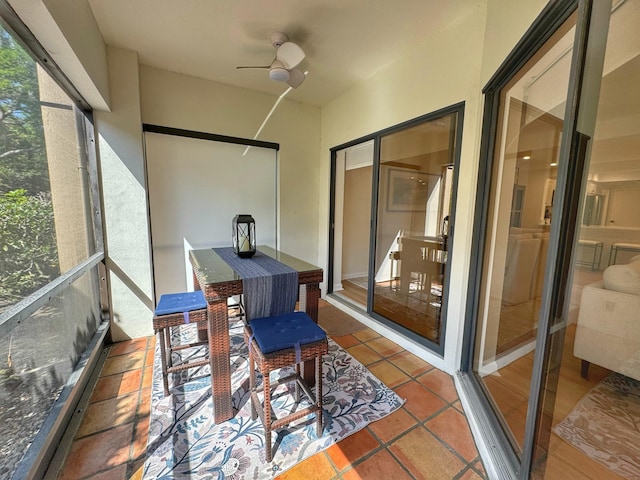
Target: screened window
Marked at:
49, 291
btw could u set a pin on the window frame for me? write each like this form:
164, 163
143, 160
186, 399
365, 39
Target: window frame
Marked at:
458, 109
505, 463
53, 432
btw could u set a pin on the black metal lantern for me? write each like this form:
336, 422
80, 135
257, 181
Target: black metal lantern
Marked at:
243, 234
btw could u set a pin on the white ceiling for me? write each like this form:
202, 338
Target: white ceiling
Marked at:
345, 41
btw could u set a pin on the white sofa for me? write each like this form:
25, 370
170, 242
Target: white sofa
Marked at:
608, 328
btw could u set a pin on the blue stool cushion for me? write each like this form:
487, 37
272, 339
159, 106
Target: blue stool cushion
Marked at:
180, 302
285, 331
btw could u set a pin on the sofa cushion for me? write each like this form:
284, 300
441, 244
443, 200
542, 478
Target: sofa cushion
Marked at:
623, 278
635, 258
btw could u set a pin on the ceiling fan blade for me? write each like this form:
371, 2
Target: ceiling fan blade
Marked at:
290, 54
254, 66
296, 77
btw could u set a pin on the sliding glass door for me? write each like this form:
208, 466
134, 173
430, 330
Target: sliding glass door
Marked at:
523, 178
590, 400
554, 340
392, 223
414, 205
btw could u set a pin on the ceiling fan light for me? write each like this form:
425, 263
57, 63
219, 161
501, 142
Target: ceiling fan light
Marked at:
279, 74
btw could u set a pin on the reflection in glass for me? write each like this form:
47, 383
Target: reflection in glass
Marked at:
593, 210
354, 170
594, 384
521, 204
414, 202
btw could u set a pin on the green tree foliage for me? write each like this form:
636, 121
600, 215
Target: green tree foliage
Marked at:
28, 253
28, 256
23, 163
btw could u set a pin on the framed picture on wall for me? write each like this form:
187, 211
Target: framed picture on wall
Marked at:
408, 190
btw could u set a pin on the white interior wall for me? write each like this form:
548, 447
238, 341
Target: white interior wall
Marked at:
356, 225
619, 214
174, 100
196, 187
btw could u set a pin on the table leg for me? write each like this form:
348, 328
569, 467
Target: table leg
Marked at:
202, 326
219, 359
313, 295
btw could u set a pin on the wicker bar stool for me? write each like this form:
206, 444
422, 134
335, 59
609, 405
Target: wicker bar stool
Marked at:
284, 341
175, 309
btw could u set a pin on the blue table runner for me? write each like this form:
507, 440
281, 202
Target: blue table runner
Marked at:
269, 287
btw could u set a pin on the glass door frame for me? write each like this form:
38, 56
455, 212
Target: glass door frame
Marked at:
376, 137
504, 460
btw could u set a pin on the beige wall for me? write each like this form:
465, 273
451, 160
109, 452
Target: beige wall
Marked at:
506, 23
68, 182
179, 101
128, 250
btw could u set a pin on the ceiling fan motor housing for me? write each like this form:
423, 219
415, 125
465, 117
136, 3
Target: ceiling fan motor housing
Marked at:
288, 56
278, 38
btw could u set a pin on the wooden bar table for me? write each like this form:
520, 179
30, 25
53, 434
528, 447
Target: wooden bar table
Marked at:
219, 281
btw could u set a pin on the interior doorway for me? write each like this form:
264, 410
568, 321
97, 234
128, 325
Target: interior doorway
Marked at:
353, 221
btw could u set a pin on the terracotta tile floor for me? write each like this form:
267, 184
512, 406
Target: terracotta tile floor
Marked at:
428, 438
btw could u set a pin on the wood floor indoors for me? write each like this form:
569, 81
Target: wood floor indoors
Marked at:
412, 311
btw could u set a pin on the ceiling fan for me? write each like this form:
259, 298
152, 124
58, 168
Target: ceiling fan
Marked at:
288, 57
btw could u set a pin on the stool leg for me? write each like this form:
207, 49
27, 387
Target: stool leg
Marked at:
163, 356
266, 385
169, 348
319, 395
252, 382
297, 384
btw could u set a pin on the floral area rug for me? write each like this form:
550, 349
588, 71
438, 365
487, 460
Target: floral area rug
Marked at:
605, 425
185, 443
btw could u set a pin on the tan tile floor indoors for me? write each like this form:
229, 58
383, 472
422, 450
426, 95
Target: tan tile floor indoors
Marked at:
428, 438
